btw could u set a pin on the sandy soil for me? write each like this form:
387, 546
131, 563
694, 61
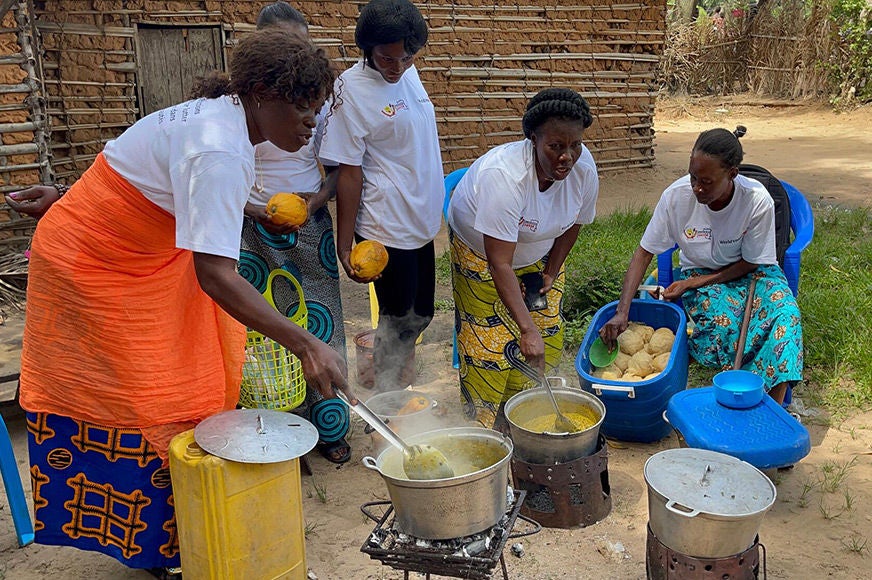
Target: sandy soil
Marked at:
820, 524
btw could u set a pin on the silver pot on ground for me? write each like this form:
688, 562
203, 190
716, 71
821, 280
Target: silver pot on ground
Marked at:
551, 448
705, 504
472, 501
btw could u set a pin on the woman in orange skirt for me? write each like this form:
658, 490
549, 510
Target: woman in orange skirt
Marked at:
136, 316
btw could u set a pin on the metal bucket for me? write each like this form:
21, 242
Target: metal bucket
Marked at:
551, 448
387, 405
705, 504
441, 509
363, 343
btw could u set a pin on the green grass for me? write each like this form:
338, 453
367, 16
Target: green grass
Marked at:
595, 267
835, 298
443, 268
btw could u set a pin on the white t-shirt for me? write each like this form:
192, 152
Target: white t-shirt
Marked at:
713, 239
195, 161
499, 196
389, 130
277, 170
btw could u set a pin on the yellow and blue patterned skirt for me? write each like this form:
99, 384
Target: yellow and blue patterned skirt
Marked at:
102, 489
492, 368
773, 348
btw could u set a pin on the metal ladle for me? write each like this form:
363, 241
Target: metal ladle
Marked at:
562, 423
419, 461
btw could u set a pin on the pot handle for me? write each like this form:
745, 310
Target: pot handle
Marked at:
369, 463
670, 505
665, 418
560, 380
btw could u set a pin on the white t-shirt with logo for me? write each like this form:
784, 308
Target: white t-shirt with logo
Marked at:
713, 239
194, 160
277, 170
499, 196
389, 130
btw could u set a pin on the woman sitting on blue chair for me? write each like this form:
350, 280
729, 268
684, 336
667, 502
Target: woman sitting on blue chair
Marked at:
724, 226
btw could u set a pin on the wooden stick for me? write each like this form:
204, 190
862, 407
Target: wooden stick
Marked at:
746, 319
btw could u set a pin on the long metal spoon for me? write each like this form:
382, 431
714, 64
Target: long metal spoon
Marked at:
419, 461
562, 423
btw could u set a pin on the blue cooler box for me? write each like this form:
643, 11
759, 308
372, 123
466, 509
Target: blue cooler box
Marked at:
765, 435
634, 411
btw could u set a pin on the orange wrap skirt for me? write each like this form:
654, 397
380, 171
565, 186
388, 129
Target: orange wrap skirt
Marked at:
118, 331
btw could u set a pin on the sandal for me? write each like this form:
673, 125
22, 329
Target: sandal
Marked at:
166, 573
338, 452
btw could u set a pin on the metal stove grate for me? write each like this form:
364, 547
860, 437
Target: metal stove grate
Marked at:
473, 557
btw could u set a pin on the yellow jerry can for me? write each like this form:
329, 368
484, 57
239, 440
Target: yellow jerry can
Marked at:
236, 521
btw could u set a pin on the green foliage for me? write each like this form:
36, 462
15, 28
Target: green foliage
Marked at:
595, 268
853, 75
835, 300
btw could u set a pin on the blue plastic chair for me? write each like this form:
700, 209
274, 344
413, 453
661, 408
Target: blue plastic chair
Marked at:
451, 181
14, 489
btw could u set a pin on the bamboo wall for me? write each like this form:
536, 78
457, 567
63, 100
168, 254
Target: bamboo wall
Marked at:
485, 58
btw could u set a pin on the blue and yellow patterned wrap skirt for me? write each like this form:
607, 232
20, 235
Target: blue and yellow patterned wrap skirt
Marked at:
101, 489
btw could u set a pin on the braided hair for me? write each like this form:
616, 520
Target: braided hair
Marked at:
279, 13
722, 144
387, 22
555, 103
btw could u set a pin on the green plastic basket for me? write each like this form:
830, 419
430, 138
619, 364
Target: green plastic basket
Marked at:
272, 376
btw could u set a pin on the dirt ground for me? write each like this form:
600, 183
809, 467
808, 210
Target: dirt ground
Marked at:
820, 524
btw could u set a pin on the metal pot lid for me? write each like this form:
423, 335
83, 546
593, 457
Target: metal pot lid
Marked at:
709, 482
256, 436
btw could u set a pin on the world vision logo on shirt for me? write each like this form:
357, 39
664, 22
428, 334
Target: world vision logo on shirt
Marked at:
391, 109
531, 225
698, 234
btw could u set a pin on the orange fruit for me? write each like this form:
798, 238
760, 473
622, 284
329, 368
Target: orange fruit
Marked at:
287, 209
369, 258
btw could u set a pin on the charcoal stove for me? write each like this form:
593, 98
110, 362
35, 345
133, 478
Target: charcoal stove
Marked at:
473, 557
662, 563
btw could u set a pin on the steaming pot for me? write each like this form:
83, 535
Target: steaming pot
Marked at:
454, 507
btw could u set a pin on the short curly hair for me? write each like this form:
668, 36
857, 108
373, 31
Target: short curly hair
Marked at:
390, 21
290, 67
555, 103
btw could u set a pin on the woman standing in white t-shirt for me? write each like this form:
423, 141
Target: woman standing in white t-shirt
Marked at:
724, 225
382, 133
308, 252
514, 217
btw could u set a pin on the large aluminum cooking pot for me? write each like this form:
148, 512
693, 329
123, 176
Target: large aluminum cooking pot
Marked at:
706, 504
551, 448
439, 509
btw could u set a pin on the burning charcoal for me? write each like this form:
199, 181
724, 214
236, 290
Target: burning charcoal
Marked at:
477, 547
518, 549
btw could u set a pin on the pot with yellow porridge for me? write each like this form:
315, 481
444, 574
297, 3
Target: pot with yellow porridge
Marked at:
531, 420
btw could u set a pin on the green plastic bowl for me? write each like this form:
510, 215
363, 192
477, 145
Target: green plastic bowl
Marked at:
599, 354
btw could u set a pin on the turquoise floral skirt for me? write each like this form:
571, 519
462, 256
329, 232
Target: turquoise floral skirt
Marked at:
773, 348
